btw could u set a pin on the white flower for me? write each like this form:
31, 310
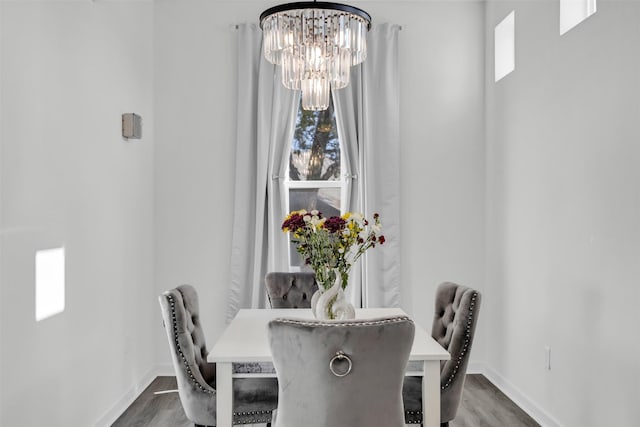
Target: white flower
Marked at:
315, 220
358, 219
306, 218
315, 212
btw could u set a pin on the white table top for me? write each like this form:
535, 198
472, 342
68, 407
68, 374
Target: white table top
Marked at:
246, 340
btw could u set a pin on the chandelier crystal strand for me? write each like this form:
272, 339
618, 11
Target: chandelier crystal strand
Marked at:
315, 93
316, 43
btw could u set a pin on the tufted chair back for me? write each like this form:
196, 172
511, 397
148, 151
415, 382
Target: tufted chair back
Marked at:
454, 325
195, 376
290, 290
340, 373
254, 399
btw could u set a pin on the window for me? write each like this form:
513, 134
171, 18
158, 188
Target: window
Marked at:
315, 178
49, 283
573, 12
505, 46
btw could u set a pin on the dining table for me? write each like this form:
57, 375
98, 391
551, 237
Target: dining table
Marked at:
245, 340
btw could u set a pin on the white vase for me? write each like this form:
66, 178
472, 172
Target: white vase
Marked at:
331, 304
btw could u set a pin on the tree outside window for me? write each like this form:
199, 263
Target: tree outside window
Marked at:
315, 179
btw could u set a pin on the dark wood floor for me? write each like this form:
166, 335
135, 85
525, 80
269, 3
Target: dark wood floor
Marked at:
483, 405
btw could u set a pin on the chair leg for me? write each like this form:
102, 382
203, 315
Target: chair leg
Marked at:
444, 424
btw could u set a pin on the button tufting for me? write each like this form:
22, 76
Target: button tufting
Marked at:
465, 345
179, 348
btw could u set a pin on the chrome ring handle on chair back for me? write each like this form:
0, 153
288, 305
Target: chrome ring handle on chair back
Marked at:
339, 357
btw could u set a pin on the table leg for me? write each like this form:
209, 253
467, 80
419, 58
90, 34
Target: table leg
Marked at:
431, 394
224, 394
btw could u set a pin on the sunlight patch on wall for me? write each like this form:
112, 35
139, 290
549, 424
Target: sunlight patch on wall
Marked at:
505, 46
50, 282
573, 12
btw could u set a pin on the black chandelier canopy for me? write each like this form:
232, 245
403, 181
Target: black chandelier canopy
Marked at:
323, 5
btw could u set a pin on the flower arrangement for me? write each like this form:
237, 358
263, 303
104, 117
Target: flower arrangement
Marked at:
332, 244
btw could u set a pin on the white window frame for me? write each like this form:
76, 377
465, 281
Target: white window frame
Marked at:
342, 183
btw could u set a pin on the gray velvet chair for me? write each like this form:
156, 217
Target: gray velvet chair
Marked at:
454, 325
340, 373
290, 290
254, 399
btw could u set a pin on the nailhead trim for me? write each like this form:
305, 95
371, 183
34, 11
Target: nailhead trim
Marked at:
465, 347
416, 415
179, 348
344, 323
252, 417
193, 379
252, 421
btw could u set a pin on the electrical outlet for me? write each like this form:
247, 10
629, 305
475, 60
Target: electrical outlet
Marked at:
547, 358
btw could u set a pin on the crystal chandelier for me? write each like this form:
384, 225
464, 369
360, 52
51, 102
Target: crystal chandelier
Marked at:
316, 43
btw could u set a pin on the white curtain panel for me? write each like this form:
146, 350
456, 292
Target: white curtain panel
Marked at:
367, 112
262, 135
368, 115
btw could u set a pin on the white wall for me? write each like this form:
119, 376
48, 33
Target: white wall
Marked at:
563, 213
70, 68
1, 216
67, 177
560, 211
442, 131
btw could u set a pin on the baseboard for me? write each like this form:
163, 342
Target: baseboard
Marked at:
476, 368
519, 398
166, 370
132, 394
505, 386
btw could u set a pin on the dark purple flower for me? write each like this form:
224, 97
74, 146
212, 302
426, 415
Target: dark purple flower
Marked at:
334, 224
293, 223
